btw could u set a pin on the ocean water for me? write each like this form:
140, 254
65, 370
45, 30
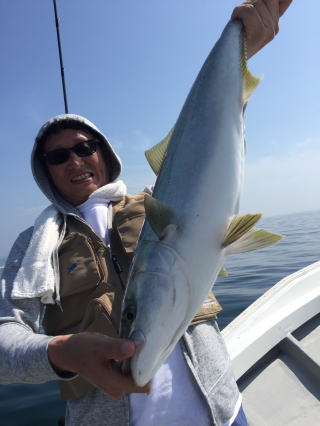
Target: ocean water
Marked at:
250, 275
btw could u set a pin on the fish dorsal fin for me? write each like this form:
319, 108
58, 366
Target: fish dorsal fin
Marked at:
238, 226
157, 153
250, 82
254, 239
161, 217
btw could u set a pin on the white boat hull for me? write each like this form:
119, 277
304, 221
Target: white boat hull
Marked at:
274, 346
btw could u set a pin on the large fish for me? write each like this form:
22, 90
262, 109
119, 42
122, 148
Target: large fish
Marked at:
191, 222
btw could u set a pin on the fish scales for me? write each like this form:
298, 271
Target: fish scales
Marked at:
198, 153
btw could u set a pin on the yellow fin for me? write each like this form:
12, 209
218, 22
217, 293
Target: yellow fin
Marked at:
223, 272
157, 153
250, 82
238, 226
254, 239
161, 216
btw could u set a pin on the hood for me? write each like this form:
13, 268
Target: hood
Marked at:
67, 121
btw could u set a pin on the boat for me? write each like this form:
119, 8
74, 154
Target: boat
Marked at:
274, 346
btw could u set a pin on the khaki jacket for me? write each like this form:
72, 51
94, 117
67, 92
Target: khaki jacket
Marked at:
92, 281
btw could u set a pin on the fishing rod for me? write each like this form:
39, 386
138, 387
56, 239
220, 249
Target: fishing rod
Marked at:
60, 57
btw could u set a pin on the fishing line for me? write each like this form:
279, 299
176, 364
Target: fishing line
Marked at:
60, 58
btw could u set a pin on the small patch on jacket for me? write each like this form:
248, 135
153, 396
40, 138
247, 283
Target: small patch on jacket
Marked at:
72, 267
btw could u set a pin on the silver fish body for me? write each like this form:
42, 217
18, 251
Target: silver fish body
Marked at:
181, 248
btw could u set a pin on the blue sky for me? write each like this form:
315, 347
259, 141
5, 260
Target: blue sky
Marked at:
129, 66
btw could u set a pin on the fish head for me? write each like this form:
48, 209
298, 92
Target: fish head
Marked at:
155, 308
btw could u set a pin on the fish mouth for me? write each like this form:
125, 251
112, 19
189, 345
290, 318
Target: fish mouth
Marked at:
152, 349
139, 339
131, 366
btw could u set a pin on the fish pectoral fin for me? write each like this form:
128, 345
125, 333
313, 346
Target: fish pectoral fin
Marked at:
157, 153
238, 226
254, 239
161, 217
223, 272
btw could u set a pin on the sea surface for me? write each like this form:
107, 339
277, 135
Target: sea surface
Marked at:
250, 275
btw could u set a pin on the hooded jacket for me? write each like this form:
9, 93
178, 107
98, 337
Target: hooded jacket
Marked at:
23, 351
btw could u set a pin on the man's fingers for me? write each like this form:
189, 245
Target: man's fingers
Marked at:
253, 25
261, 21
126, 383
259, 17
119, 349
95, 357
105, 347
115, 384
269, 14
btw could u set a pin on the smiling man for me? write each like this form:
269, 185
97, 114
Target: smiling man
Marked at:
67, 275
75, 164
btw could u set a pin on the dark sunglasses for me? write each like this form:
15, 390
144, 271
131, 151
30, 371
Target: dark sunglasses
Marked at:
61, 155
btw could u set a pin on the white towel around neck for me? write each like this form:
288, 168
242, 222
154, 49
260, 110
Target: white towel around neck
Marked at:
36, 276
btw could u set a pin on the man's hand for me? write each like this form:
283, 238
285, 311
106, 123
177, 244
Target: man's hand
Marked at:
94, 357
261, 21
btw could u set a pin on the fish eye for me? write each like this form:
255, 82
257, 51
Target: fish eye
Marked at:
130, 313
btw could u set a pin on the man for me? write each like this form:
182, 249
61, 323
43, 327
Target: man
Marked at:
67, 273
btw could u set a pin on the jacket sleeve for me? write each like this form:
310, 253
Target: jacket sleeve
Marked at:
23, 349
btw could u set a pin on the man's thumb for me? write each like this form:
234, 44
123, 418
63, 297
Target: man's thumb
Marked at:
122, 349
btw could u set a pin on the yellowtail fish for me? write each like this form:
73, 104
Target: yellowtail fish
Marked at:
191, 219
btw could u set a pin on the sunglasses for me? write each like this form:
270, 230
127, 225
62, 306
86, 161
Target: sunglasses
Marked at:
61, 155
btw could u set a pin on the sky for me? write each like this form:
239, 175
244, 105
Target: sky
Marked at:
129, 66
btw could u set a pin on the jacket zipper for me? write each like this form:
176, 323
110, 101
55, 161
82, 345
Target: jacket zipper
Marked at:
115, 261
96, 257
118, 268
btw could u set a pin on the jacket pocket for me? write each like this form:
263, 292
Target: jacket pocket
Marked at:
78, 265
129, 230
98, 317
